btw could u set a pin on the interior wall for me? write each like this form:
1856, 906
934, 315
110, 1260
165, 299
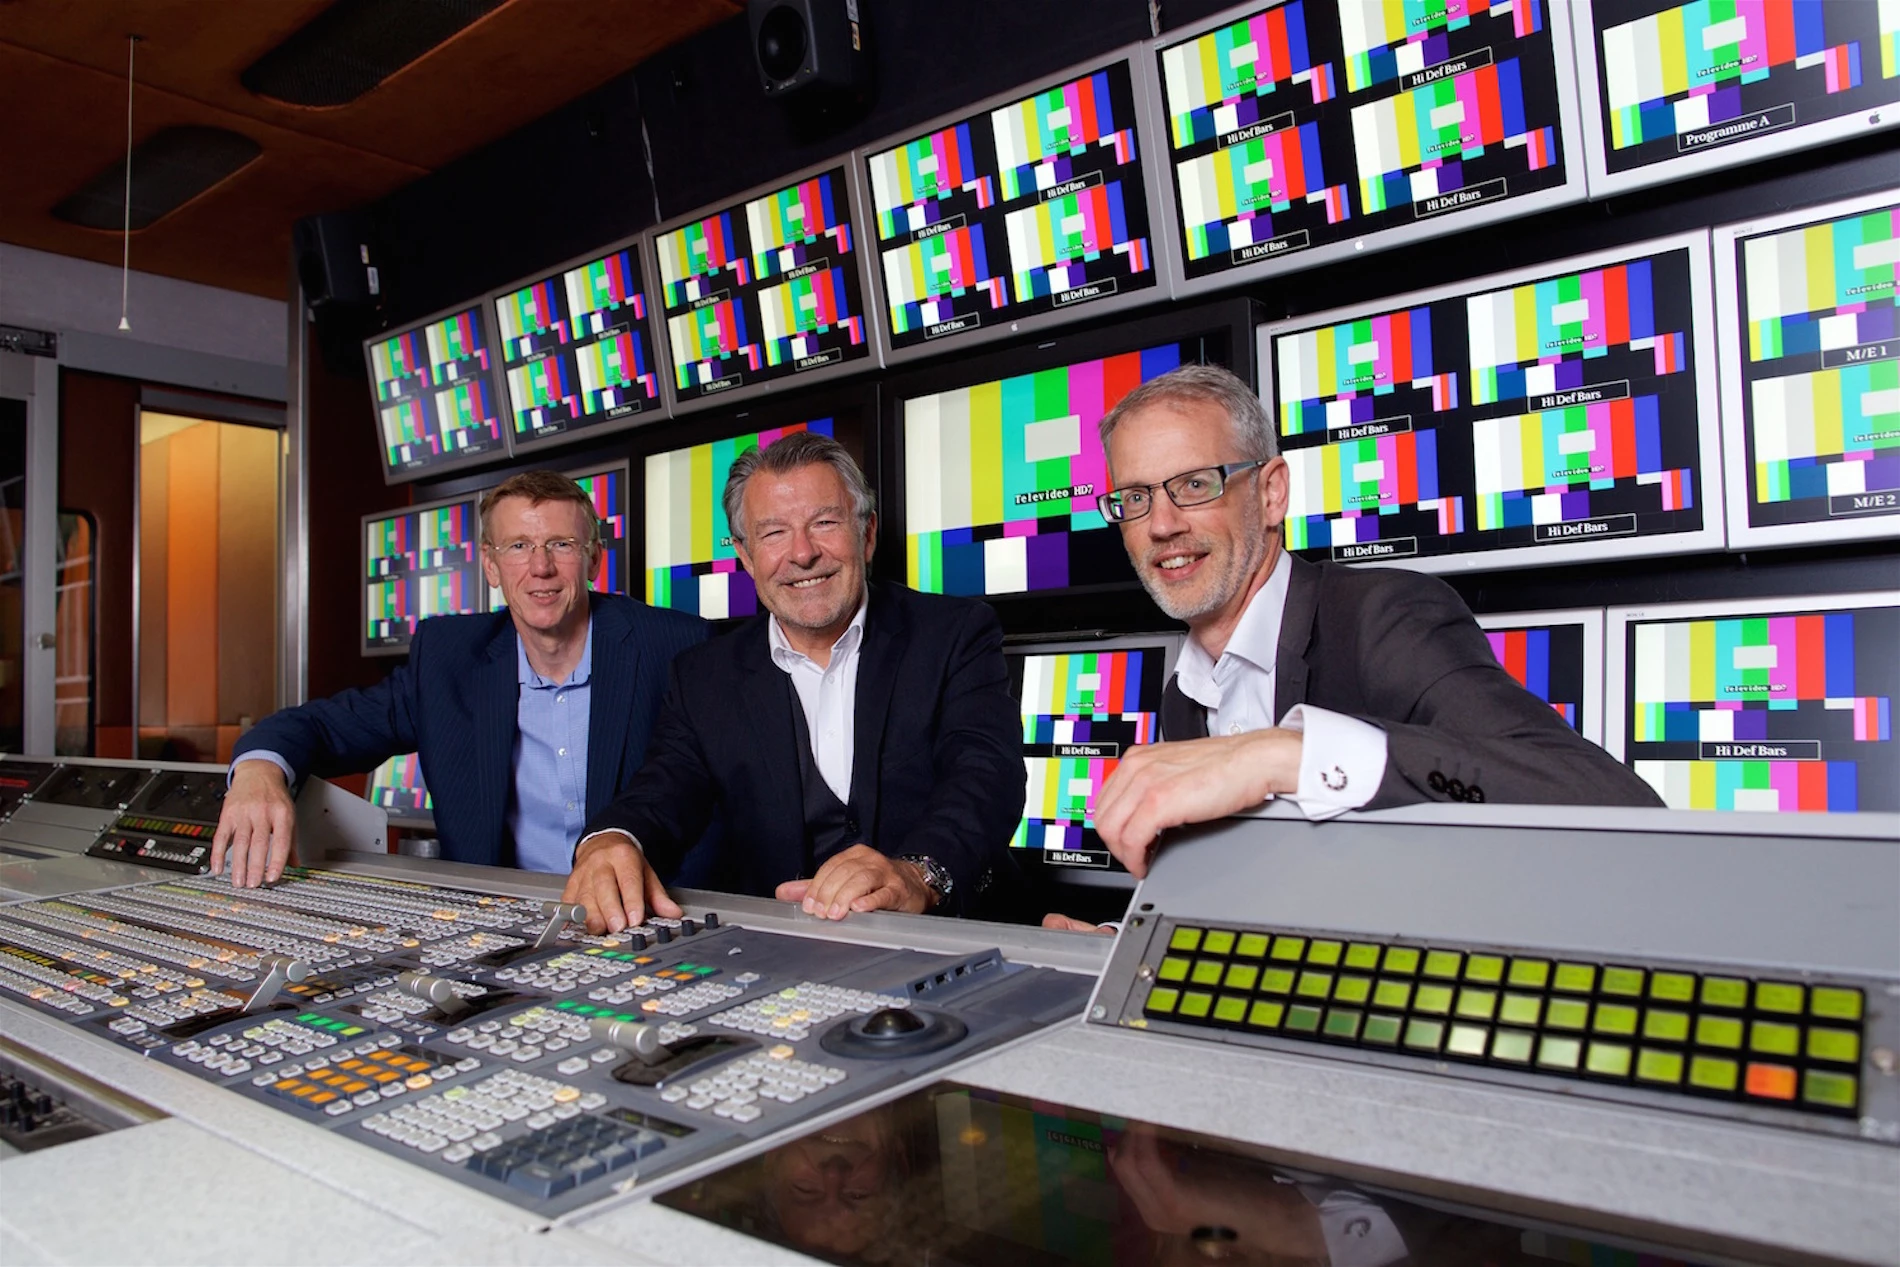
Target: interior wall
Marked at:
98, 444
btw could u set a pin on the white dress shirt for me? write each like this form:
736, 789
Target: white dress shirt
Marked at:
1342, 759
829, 694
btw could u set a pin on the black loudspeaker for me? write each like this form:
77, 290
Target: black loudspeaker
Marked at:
804, 44
335, 261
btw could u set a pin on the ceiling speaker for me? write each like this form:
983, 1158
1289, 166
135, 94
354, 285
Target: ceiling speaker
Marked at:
804, 44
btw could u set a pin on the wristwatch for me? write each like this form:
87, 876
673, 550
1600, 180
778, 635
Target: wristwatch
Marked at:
936, 875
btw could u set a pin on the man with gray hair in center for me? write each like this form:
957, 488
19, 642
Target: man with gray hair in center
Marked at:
859, 740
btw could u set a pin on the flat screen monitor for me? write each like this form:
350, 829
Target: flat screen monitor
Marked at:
1810, 353
1084, 705
420, 561
397, 786
1550, 415
1000, 461
1673, 89
1306, 131
691, 563
1031, 208
767, 288
1770, 704
437, 406
577, 351
1556, 656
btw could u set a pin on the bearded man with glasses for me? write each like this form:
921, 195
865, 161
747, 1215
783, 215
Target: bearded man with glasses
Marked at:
1340, 688
527, 720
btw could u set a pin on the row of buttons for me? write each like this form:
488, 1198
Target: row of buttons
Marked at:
792, 1011
562, 1155
735, 1090
571, 970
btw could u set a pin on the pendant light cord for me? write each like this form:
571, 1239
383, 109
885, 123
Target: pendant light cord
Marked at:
125, 264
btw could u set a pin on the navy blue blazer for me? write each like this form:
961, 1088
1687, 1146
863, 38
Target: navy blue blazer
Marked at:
454, 704
937, 759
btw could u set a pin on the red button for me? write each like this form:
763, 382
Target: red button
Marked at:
1771, 1082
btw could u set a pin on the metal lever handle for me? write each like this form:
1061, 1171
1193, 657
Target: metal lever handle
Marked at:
436, 990
631, 1036
279, 971
559, 914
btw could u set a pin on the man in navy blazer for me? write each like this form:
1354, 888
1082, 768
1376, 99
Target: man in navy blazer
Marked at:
859, 742
526, 721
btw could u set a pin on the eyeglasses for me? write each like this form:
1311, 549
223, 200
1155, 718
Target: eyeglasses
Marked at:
520, 553
1190, 488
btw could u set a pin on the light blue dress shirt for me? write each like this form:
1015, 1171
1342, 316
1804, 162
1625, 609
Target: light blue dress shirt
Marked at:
549, 805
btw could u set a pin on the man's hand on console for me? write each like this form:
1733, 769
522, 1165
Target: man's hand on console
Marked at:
1158, 786
612, 880
257, 826
860, 879
1069, 924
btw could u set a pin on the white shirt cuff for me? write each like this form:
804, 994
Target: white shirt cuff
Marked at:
1342, 760
260, 754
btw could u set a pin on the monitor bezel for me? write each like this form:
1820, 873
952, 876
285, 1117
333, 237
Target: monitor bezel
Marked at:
625, 467
1590, 620
649, 413
1114, 876
1728, 238
1160, 292
1234, 315
1570, 142
1709, 537
481, 306
474, 499
873, 359
1618, 621
419, 821
1603, 183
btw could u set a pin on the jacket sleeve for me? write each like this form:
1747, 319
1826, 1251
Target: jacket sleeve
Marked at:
348, 733
668, 803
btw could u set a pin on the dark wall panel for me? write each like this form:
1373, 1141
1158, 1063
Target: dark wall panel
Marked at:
98, 440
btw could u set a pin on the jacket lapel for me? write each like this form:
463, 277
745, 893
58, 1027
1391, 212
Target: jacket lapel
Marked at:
1181, 717
877, 674
1296, 635
615, 669
496, 699
764, 698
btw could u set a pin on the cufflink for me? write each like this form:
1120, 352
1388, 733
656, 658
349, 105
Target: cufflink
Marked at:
1327, 777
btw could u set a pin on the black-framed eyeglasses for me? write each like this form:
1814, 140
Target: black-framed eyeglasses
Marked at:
1189, 488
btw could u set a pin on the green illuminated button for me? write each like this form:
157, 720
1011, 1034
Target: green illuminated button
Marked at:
1185, 939
1834, 1003
1435, 999
1779, 996
1325, 953
1672, 987
1521, 1009
1343, 1022
1173, 969
1363, 954
1659, 1066
1196, 1004
1315, 985
1251, 946
1670, 1027
1477, 1005
1575, 978
1266, 1015
1839, 1045
1724, 992
1207, 971
1401, 959
1276, 981
1615, 1018
1161, 1000
1485, 969
1832, 1090
1230, 1008
1513, 1045
1559, 1053
1218, 942
1303, 1018
1712, 1073
1773, 1039
1383, 1029
1393, 994
1352, 990
1718, 1031
1567, 1014
1443, 963
1289, 947
1424, 1035
1608, 1060
1624, 983
1242, 976
1532, 974
1467, 1040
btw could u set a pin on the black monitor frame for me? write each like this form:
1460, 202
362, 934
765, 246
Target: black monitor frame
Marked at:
474, 501
484, 312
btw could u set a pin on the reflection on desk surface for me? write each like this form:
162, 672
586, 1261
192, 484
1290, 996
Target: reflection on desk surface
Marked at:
958, 1175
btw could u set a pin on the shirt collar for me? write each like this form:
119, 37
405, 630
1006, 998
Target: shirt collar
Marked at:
787, 657
1256, 641
583, 669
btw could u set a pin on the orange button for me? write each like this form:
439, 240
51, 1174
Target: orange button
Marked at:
1771, 1082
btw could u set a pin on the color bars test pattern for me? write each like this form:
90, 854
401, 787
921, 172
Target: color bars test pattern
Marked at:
433, 395
1547, 661
397, 785
1821, 370
690, 561
575, 347
417, 564
1081, 712
1581, 418
1030, 207
1308, 124
1695, 77
1771, 713
1000, 479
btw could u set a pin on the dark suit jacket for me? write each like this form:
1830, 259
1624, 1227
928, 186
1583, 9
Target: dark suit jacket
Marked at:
937, 765
1401, 651
454, 703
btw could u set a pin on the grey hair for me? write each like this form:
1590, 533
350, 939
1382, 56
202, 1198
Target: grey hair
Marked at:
800, 448
1203, 384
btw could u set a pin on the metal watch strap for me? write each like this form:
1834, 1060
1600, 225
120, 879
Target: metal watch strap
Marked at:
936, 875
